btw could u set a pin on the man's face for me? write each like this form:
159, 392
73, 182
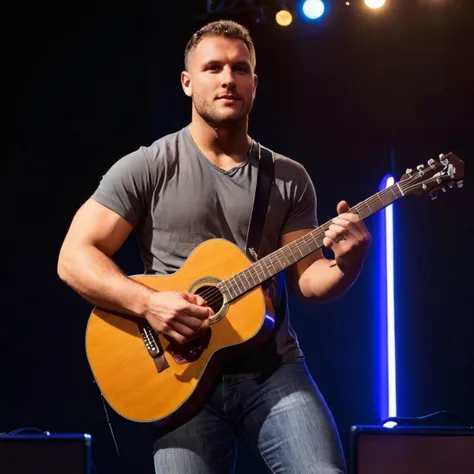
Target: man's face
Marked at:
220, 80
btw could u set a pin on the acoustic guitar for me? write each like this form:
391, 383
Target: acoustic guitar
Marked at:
146, 377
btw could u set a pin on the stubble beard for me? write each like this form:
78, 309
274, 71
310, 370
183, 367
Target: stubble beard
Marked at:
212, 116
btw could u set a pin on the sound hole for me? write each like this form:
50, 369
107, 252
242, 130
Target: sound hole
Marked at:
213, 297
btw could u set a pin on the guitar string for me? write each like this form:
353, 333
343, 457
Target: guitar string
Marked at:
215, 293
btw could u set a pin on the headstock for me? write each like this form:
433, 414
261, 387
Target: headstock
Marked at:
446, 171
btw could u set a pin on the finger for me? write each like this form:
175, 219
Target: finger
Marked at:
342, 207
190, 321
329, 243
181, 328
347, 217
339, 229
174, 335
195, 299
205, 324
347, 229
200, 301
184, 335
339, 233
201, 312
192, 298
334, 237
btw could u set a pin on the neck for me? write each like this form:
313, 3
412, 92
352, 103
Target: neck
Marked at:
227, 144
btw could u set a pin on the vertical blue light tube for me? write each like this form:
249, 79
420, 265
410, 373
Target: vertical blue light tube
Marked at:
388, 382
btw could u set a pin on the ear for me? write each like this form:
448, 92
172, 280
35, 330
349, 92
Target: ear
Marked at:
255, 84
186, 83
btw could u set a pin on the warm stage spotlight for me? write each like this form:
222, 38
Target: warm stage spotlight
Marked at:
284, 18
375, 3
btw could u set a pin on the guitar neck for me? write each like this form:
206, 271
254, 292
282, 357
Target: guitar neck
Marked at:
282, 258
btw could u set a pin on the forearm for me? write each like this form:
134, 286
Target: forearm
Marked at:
323, 281
99, 280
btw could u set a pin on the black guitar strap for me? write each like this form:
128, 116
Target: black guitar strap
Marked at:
260, 204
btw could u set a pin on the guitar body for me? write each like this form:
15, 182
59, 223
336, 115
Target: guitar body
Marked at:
145, 387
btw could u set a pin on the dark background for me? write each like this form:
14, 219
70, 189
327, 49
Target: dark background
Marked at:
352, 97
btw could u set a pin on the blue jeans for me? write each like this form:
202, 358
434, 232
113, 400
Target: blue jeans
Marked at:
281, 416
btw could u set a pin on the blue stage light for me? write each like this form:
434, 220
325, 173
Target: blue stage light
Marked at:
313, 9
388, 372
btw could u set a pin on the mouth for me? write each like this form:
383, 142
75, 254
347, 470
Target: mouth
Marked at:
228, 97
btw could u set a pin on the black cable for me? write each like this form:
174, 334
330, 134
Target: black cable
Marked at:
112, 433
94, 469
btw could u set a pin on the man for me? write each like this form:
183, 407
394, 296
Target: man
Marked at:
197, 184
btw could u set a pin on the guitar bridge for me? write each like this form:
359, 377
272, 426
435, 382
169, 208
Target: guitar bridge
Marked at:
153, 346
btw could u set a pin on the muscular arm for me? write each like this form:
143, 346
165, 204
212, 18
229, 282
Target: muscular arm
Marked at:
85, 263
317, 279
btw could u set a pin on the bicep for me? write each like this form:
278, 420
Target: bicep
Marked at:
296, 270
95, 224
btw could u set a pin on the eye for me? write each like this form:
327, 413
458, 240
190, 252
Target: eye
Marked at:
243, 69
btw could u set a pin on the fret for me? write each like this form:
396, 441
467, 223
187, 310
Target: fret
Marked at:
279, 262
230, 291
271, 263
356, 208
225, 289
234, 284
298, 247
251, 272
380, 198
313, 235
307, 245
285, 253
286, 261
263, 271
400, 189
244, 273
386, 198
239, 282
256, 272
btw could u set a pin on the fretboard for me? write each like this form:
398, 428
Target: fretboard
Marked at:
300, 248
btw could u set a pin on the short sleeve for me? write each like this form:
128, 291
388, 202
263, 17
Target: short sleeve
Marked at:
126, 187
303, 212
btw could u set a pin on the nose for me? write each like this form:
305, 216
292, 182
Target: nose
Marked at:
227, 77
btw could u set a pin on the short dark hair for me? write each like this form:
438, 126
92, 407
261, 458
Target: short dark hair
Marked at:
223, 28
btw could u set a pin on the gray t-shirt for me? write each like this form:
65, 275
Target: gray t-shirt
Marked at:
176, 198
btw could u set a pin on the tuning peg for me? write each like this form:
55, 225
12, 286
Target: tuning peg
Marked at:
460, 184
433, 195
451, 185
451, 171
420, 167
409, 171
443, 189
439, 180
441, 156
431, 162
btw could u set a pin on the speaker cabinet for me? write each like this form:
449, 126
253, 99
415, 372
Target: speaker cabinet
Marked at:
412, 450
45, 454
